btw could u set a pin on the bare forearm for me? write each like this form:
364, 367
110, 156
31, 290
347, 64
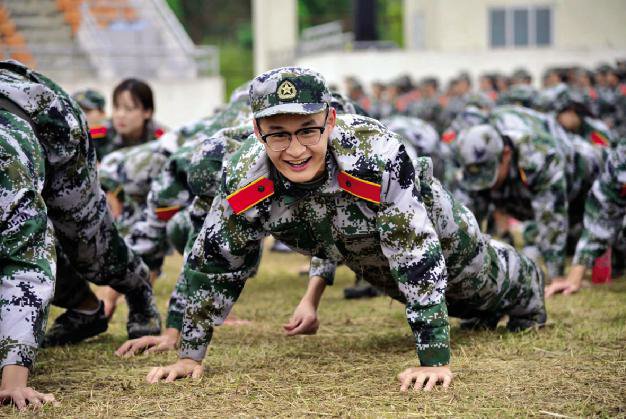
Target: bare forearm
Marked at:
315, 290
14, 376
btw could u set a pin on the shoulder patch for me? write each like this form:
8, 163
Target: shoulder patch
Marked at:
98, 132
598, 138
166, 213
245, 198
360, 188
158, 132
448, 136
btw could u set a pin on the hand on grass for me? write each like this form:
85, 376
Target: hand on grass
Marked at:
425, 377
149, 344
182, 368
568, 285
14, 389
304, 320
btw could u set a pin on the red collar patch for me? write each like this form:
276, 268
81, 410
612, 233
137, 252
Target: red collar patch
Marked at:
358, 187
600, 139
166, 213
245, 198
448, 136
98, 132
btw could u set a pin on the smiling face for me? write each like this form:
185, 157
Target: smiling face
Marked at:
297, 163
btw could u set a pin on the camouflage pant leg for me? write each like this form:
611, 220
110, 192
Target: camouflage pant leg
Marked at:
179, 229
27, 256
83, 224
70, 288
523, 297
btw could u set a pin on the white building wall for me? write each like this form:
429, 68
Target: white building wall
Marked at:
176, 101
462, 25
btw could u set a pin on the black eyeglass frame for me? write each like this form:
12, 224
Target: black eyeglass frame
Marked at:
295, 133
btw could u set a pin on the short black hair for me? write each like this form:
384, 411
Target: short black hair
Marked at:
139, 90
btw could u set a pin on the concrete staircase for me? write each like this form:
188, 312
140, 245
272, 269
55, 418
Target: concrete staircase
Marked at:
49, 38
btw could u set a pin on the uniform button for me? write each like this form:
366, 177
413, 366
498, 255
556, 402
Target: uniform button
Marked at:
348, 184
261, 188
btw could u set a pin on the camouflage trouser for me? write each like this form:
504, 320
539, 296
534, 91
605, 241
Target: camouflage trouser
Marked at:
512, 285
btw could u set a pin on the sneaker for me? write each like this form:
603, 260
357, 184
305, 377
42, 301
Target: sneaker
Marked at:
143, 316
73, 327
361, 289
480, 323
537, 320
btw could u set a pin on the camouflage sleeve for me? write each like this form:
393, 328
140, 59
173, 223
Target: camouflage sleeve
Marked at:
410, 243
605, 209
27, 255
198, 210
168, 194
324, 268
544, 175
225, 254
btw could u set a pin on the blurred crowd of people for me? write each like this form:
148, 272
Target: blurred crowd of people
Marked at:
602, 89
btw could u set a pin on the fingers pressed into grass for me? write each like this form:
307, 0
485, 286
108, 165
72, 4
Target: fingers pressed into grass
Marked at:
424, 377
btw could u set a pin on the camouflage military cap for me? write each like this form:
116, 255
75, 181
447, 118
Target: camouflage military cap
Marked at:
523, 94
479, 100
478, 151
89, 99
290, 90
569, 99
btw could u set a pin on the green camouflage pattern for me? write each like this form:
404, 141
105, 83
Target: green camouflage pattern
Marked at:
74, 204
288, 90
535, 190
605, 208
478, 152
170, 189
89, 99
395, 240
27, 251
114, 141
393, 245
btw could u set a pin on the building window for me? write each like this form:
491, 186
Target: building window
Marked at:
520, 27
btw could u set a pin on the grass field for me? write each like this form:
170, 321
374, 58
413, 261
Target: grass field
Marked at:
574, 367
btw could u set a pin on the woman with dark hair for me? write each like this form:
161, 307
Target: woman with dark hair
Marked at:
131, 123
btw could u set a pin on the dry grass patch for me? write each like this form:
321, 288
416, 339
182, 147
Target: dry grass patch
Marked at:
574, 367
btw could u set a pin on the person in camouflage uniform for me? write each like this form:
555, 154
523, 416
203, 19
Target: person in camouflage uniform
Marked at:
132, 122
604, 222
522, 173
201, 167
92, 103
344, 190
49, 191
203, 176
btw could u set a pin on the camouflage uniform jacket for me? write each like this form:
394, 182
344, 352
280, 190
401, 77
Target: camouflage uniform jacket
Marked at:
366, 212
170, 190
535, 189
109, 140
582, 159
605, 208
27, 253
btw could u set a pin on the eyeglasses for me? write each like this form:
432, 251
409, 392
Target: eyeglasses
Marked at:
307, 136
